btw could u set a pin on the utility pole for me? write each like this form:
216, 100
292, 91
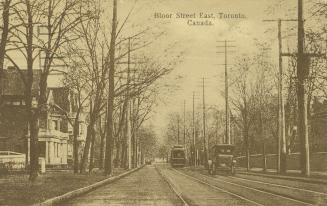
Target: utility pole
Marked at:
136, 131
205, 149
178, 129
128, 112
303, 64
227, 110
226, 99
281, 111
302, 74
193, 122
111, 89
184, 131
281, 160
131, 145
217, 125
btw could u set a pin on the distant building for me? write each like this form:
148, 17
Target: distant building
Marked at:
55, 132
318, 129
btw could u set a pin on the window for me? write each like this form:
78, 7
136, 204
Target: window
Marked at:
42, 149
55, 125
81, 129
178, 154
57, 149
54, 149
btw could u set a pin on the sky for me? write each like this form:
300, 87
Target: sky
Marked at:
201, 44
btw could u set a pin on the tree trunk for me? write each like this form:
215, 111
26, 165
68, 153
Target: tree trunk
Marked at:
247, 149
75, 145
4, 37
111, 95
118, 156
86, 147
91, 165
264, 162
264, 158
123, 163
102, 142
247, 159
133, 150
34, 150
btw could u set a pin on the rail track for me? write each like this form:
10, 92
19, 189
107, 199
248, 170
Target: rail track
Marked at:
258, 192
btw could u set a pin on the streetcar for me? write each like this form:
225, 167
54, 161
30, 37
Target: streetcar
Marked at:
221, 158
177, 156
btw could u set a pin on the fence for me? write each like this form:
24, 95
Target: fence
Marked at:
12, 160
318, 161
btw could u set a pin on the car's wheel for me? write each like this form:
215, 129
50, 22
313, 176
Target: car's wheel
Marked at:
213, 169
233, 170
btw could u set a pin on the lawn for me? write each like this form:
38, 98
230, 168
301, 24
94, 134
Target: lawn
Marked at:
16, 190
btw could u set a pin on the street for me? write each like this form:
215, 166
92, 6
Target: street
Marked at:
160, 184
144, 187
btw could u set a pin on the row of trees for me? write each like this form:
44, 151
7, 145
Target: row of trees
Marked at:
254, 106
254, 101
106, 72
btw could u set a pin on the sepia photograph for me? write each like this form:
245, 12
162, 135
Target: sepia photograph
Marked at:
163, 102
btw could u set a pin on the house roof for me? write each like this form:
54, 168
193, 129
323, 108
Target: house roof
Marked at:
61, 98
14, 89
13, 84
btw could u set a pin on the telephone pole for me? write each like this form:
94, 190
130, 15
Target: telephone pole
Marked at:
178, 129
184, 131
281, 111
302, 74
281, 154
128, 112
227, 110
205, 149
193, 122
130, 116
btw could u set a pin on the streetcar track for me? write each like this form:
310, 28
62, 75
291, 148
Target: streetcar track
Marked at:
172, 186
258, 190
278, 185
239, 185
218, 188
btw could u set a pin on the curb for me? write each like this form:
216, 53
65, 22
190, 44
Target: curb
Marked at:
303, 179
83, 190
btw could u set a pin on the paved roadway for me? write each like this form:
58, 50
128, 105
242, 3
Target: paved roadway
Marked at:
162, 185
199, 193
141, 188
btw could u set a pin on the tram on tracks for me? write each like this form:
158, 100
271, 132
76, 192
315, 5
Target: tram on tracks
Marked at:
177, 156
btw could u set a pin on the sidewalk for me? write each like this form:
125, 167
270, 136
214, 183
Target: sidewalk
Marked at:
316, 176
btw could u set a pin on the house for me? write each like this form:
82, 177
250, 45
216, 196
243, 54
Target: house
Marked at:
318, 129
55, 132
65, 100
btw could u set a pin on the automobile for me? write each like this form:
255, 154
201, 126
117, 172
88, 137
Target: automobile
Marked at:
148, 161
221, 158
177, 156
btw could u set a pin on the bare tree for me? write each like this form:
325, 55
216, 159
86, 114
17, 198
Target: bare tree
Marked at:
111, 95
243, 103
29, 14
5, 7
57, 18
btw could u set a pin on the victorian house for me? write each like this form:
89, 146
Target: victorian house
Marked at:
55, 132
